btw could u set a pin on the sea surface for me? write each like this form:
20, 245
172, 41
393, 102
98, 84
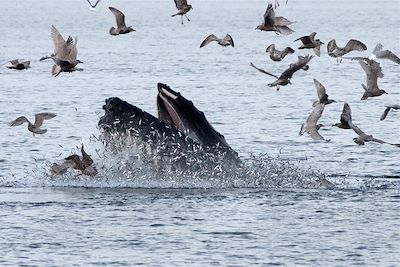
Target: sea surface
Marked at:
280, 213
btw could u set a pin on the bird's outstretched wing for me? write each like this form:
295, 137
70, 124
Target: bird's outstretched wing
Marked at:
269, 16
229, 39
385, 54
18, 121
321, 91
180, 3
93, 6
353, 44
208, 40
263, 71
119, 16
385, 113
301, 63
40, 117
60, 46
86, 159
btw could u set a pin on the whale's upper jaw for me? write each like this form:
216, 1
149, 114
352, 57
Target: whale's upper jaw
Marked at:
180, 113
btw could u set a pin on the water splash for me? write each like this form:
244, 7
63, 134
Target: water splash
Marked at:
131, 164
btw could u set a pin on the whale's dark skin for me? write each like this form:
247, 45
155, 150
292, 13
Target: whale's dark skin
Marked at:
180, 113
162, 135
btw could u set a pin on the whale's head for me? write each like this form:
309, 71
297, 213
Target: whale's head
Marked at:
180, 113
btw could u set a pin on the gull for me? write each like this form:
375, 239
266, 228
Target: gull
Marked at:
310, 126
338, 52
310, 42
323, 97
121, 27
285, 77
373, 71
65, 53
277, 55
92, 7
223, 42
385, 54
16, 64
346, 122
39, 118
388, 108
84, 164
364, 138
183, 8
279, 25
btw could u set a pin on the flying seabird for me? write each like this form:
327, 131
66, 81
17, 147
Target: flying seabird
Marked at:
323, 97
34, 128
92, 7
277, 55
121, 27
384, 54
65, 53
183, 8
279, 25
388, 108
346, 122
223, 42
373, 71
310, 126
338, 52
364, 138
310, 42
16, 64
285, 77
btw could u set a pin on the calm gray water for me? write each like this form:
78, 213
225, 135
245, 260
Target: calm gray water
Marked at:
286, 218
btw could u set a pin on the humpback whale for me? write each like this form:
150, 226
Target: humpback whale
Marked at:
181, 136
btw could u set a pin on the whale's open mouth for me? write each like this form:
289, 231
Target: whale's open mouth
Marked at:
181, 114
169, 110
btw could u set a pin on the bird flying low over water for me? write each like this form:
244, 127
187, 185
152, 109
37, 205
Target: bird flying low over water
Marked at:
346, 122
16, 64
34, 128
84, 164
373, 71
310, 126
388, 108
384, 54
183, 8
121, 27
65, 53
285, 77
223, 42
279, 25
277, 55
345, 118
309, 42
323, 97
92, 7
338, 52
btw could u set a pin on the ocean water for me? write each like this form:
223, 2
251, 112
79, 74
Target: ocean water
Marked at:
279, 214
